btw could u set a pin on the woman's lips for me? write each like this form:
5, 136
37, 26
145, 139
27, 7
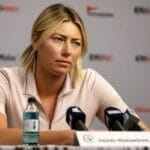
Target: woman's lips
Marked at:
63, 62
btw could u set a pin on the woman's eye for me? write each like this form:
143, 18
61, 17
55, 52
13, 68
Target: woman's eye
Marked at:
76, 44
58, 39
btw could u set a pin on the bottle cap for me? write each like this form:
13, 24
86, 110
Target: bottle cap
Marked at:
31, 100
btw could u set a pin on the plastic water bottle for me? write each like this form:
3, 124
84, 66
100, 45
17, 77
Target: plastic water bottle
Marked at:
31, 123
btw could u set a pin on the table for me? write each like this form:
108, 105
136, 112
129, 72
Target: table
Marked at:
65, 147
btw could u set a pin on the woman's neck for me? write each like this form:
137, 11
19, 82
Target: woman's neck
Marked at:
49, 85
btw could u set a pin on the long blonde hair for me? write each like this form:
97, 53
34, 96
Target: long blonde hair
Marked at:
43, 28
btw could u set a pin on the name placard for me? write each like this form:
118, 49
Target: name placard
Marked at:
113, 138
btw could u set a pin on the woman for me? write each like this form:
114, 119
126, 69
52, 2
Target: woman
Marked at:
51, 72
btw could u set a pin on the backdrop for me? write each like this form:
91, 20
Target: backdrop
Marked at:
119, 42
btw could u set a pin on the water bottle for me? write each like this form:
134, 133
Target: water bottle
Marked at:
31, 123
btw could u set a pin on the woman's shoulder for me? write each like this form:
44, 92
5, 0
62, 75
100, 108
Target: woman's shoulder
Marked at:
90, 70
90, 73
91, 76
11, 72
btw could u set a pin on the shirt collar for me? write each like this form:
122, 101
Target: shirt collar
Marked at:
67, 87
30, 85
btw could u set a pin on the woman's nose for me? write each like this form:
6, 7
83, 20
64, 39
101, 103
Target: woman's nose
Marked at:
66, 49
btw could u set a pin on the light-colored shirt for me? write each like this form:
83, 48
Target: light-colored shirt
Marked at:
92, 94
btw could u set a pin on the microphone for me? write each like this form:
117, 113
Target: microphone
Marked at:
131, 121
114, 118
75, 117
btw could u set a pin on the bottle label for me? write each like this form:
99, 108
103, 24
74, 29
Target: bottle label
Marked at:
31, 121
31, 125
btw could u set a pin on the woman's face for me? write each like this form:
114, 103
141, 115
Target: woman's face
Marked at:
61, 50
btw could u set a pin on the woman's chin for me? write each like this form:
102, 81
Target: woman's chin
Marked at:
62, 71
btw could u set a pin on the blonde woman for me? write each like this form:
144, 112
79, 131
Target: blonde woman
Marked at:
52, 72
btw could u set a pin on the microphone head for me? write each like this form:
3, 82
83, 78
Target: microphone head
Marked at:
73, 115
112, 115
131, 121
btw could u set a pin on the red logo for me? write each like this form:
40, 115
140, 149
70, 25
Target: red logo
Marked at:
95, 11
140, 109
8, 8
142, 58
141, 10
91, 8
100, 57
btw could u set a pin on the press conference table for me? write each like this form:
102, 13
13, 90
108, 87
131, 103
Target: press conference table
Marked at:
65, 147
94, 140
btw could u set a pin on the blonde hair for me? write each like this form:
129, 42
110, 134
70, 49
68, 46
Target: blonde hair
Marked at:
43, 28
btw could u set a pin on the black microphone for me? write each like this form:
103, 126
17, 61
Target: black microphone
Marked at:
75, 117
114, 118
131, 121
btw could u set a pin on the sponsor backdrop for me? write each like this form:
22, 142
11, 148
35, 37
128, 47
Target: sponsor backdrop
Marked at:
119, 42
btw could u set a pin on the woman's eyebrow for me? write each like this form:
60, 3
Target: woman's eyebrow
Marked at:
64, 36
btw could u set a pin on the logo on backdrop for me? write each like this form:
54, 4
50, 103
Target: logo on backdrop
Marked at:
142, 58
8, 8
7, 57
100, 57
140, 109
141, 10
95, 11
